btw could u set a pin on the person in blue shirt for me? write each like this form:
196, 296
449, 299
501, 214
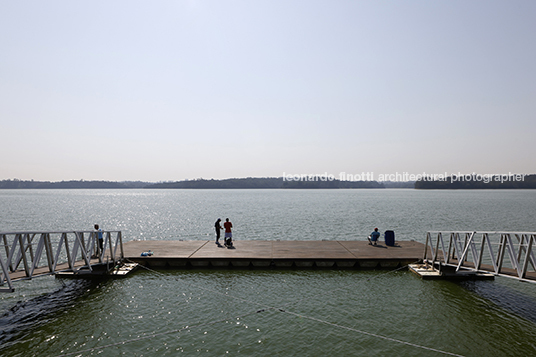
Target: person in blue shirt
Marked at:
373, 238
100, 238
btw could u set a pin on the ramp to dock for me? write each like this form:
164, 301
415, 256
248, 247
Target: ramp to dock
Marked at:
507, 254
262, 253
27, 255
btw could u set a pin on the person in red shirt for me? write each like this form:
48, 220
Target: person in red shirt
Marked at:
228, 233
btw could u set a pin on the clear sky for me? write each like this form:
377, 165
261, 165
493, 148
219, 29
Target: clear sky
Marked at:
173, 90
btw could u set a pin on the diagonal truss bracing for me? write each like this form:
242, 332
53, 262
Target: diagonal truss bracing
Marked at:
508, 254
26, 255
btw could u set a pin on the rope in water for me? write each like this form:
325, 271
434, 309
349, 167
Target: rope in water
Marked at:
155, 335
266, 308
372, 334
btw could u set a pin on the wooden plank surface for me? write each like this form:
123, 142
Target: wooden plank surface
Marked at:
163, 248
401, 250
244, 250
260, 249
310, 250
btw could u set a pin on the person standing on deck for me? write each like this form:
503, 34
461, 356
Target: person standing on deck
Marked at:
373, 238
100, 238
218, 228
228, 233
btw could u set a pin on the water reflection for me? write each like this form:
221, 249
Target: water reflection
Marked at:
521, 304
28, 315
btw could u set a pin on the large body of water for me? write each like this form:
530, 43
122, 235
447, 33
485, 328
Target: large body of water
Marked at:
268, 312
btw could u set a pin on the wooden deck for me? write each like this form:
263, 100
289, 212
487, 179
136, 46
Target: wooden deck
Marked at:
259, 253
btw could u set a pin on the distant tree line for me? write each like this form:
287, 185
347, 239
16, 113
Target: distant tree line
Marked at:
529, 182
20, 184
266, 182
399, 184
233, 183
250, 182
494, 182
332, 184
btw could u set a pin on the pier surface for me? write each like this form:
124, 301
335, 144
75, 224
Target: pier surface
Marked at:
261, 253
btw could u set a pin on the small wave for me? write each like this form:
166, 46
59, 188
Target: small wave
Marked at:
18, 320
520, 304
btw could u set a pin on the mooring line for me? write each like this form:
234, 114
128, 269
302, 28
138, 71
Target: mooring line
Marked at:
266, 308
334, 290
371, 334
209, 290
260, 304
257, 303
157, 334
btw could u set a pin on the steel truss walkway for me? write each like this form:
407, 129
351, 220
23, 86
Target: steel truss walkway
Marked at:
508, 254
72, 251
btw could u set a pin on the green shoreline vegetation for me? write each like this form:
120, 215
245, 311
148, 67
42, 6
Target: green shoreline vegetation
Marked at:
480, 182
233, 183
447, 183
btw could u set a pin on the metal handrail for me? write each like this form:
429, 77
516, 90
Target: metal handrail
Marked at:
25, 250
494, 252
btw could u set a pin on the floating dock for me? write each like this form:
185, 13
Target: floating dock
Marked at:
279, 254
429, 272
120, 270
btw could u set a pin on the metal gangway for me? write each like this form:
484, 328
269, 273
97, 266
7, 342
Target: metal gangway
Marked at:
508, 254
22, 253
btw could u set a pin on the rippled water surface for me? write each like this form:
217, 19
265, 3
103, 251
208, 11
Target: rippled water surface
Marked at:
268, 312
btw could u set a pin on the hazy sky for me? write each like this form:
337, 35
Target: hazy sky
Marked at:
173, 90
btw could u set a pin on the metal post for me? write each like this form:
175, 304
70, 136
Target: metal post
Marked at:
439, 237
121, 244
512, 253
29, 246
521, 248
116, 246
500, 256
451, 250
92, 246
457, 247
64, 238
467, 244
48, 249
23, 252
12, 253
445, 257
425, 246
528, 256
4, 239
74, 253
109, 241
82, 240
58, 251
38, 253
5, 276
532, 259
479, 263
83, 251
492, 256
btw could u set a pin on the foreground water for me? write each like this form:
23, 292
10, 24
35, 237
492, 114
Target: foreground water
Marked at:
268, 312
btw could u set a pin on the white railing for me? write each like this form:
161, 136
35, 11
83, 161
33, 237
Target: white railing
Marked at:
484, 252
72, 250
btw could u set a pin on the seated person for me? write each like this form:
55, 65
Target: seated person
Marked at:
373, 238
